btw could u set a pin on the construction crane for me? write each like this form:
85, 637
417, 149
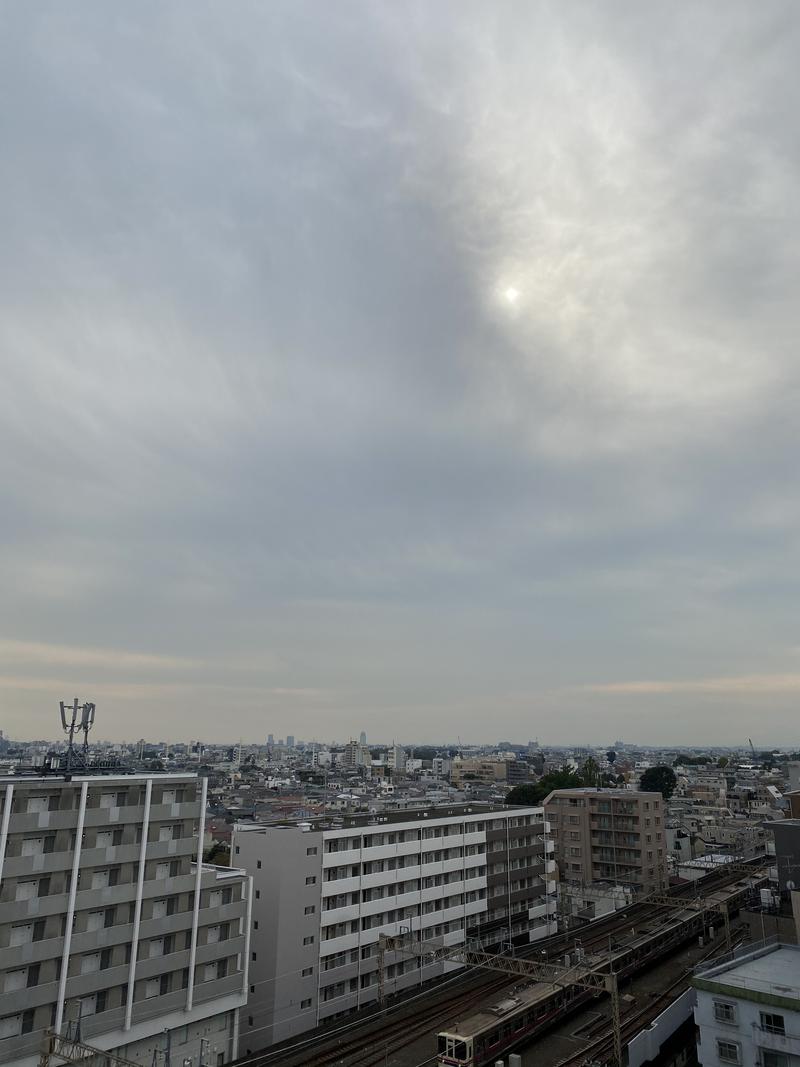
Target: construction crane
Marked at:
753, 750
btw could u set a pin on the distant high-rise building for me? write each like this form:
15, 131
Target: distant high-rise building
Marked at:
270, 739
290, 740
396, 758
363, 737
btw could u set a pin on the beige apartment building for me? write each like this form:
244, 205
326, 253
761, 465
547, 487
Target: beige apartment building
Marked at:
510, 772
614, 836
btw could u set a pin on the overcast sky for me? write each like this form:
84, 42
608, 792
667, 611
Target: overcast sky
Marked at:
423, 368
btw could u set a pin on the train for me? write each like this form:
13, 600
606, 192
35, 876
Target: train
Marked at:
532, 1007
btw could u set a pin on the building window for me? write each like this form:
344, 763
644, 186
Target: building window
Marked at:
16, 980
728, 1052
306, 972
311, 880
773, 1024
20, 935
253, 956
305, 1004
152, 988
11, 1026
26, 891
309, 909
773, 1059
258, 864
724, 1012
311, 851
308, 940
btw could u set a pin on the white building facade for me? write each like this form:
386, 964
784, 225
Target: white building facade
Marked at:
323, 894
748, 1009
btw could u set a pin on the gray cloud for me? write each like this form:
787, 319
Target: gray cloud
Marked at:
278, 451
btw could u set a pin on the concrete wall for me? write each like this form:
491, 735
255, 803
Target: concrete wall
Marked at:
278, 986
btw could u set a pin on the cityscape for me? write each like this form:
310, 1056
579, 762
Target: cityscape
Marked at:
399, 533
297, 903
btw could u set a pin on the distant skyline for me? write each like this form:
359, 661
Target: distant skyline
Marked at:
784, 746
426, 366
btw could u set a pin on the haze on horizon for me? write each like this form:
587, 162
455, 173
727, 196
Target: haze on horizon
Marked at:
423, 368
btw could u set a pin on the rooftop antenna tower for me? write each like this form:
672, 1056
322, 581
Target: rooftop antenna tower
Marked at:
77, 718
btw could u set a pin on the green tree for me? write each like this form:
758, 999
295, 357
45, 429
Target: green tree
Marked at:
219, 854
723, 761
524, 794
659, 779
611, 755
535, 792
590, 772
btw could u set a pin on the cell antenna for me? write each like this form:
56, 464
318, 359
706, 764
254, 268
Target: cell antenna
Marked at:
77, 718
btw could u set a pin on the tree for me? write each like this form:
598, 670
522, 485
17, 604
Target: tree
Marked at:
659, 779
723, 761
590, 772
524, 794
219, 854
535, 792
611, 755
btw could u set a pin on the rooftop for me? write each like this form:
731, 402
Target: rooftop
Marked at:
770, 973
383, 818
590, 791
118, 775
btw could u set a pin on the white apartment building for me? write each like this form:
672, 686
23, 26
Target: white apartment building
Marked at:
324, 892
110, 921
748, 1009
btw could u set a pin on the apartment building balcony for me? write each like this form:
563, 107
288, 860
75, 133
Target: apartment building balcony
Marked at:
344, 1002
346, 913
20, 999
346, 857
232, 946
152, 968
341, 885
334, 945
107, 937
381, 904
473, 884
82, 985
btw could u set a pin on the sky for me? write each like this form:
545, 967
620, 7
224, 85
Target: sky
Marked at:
428, 369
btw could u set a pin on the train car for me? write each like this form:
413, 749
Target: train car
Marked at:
488, 1033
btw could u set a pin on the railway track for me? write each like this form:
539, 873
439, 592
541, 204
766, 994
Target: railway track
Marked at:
373, 1054
365, 1048
601, 1047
